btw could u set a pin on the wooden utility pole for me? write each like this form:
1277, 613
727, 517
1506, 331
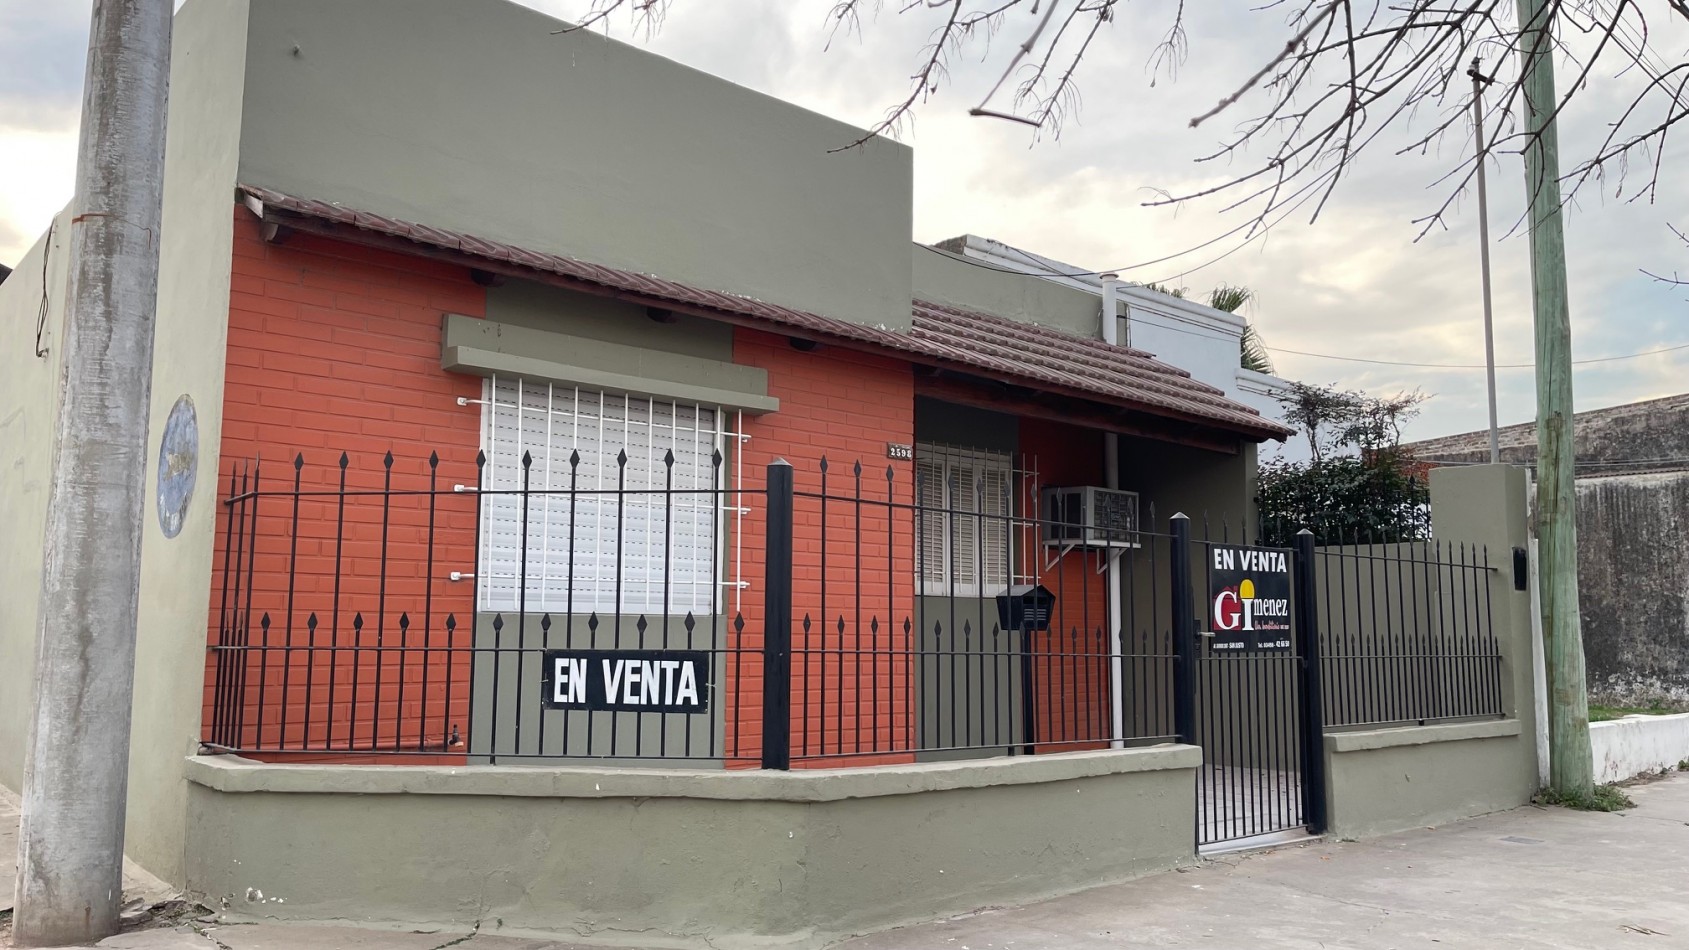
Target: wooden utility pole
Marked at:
1570, 770
70, 842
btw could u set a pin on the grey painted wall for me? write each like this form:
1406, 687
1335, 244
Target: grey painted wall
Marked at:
968, 676
511, 719
539, 307
1178, 478
472, 115
946, 423
946, 278
191, 352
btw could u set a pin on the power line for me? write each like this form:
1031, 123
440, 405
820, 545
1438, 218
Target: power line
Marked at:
1050, 272
1359, 359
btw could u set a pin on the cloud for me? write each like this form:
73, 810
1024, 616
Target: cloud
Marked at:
41, 63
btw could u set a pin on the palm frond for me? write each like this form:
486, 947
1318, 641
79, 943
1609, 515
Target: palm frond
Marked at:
1254, 354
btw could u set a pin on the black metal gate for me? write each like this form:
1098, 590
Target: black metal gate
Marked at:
1251, 673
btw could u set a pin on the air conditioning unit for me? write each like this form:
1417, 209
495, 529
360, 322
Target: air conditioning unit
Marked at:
1090, 517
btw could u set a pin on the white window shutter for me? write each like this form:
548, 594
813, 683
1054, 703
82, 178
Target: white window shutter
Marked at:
967, 501
594, 522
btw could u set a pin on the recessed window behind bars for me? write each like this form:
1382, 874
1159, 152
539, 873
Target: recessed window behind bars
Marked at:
597, 527
966, 500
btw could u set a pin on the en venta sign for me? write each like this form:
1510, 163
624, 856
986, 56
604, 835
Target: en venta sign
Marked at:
660, 681
1249, 599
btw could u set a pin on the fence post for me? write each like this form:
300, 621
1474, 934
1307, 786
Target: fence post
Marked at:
777, 622
1184, 632
1313, 701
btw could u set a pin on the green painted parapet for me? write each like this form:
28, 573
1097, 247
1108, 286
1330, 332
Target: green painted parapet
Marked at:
678, 858
1390, 779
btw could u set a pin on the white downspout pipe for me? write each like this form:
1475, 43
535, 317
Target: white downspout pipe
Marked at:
1111, 479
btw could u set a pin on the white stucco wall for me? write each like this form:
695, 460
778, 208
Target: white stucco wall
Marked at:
1261, 392
29, 388
1628, 747
1196, 338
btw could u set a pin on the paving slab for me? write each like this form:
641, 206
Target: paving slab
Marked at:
170, 939
301, 937
1527, 878
290, 937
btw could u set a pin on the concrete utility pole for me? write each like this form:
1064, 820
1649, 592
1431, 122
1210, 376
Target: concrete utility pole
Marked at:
70, 843
1570, 769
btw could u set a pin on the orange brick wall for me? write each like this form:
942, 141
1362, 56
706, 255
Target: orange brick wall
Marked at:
1071, 684
842, 406
334, 348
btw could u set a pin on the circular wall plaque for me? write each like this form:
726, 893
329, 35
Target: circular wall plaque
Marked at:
178, 463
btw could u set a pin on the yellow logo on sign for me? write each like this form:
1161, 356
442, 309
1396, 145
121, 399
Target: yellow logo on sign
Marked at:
1246, 590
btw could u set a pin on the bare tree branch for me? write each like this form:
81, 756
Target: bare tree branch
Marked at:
1674, 279
1348, 74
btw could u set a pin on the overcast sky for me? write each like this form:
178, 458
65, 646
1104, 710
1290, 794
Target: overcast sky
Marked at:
1354, 284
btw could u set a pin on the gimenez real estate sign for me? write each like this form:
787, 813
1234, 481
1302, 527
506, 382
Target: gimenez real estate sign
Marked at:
659, 681
1248, 599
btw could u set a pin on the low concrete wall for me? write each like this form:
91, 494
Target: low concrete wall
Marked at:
679, 858
1386, 780
1625, 748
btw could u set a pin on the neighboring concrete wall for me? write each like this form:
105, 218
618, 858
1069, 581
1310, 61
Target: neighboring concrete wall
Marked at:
1389, 779
1652, 429
681, 859
1632, 593
29, 391
1199, 339
193, 308
1633, 509
1628, 747
484, 120
1392, 779
946, 278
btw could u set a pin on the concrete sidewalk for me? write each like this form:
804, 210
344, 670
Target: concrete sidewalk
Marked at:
1529, 878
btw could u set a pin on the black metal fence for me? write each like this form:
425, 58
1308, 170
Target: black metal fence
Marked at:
903, 642
369, 613
399, 609
409, 610
1408, 633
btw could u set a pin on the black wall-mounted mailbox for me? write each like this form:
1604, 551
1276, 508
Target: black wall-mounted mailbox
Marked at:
1026, 607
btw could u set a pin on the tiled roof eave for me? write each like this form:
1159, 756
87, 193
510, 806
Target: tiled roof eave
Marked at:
1040, 358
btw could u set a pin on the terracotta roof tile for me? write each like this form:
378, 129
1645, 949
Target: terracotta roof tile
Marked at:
1037, 357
